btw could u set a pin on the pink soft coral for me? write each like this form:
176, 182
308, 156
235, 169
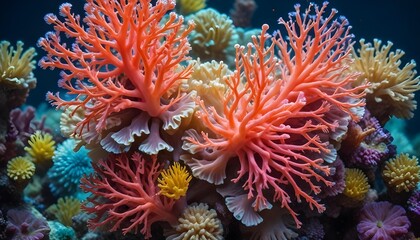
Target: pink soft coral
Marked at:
124, 64
125, 195
276, 120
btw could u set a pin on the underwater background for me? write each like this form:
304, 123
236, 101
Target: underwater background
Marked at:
335, 159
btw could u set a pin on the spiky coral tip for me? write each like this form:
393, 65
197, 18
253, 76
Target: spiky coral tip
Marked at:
20, 168
356, 184
41, 147
174, 181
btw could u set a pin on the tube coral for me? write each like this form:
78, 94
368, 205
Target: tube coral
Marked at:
120, 70
274, 116
125, 195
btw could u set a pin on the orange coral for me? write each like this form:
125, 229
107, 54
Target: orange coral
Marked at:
126, 59
274, 123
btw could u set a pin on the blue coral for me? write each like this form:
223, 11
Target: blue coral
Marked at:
68, 168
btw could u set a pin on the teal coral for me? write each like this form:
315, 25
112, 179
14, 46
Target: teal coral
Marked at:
68, 168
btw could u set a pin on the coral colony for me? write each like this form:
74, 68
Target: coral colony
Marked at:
176, 123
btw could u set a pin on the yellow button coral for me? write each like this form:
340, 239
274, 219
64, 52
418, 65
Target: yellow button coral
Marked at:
174, 181
402, 173
20, 168
356, 184
42, 147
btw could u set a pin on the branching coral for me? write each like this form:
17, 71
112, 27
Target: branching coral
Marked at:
125, 195
382, 221
402, 173
274, 119
391, 90
122, 64
198, 222
68, 168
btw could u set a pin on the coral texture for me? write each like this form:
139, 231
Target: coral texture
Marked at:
41, 147
125, 195
274, 119
356, 184
391, 90
23, 224
402, 173
65, 209
382, 221
20, 168
174, 181
123, 71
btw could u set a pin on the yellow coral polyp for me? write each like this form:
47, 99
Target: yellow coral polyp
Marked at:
20, 168
402, 173
356, 184
174, 181
186, 7
65, 209
42, 147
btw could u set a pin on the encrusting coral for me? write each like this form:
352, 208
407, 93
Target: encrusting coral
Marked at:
391, 90
402, 173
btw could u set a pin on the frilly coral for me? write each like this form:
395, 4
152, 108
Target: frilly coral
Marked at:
391, 90
198, 222
382, 221
23, 224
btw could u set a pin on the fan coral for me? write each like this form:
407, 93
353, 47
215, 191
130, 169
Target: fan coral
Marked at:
212, 35
402, 173
68, 168
65, 209
274, 119
20, 168
173, 182
185, 7
16, 76
356, 184
125, 195
382, 221
391, 91
42, 147
25, 225
198, 222
122, 71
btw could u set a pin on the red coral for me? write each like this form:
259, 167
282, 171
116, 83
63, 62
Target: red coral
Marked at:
125, 195
125, 57
273, 121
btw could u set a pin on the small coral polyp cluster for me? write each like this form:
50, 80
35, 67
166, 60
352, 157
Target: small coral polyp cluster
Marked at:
281, 139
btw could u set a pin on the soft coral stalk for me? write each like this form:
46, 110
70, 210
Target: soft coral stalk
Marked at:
125, 195
126, 57
273, 121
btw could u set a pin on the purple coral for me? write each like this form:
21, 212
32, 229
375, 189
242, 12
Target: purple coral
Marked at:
414, 202
367, 144
382, 221
24, 225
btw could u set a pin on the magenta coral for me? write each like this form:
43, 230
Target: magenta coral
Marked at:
123, 64
125, 195
382, 221
275, 121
